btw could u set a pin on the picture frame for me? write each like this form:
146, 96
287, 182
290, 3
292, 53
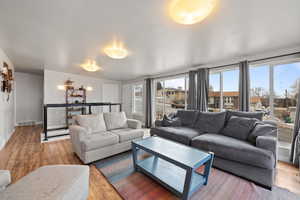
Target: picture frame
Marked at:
10, 74
3, 86
9, 87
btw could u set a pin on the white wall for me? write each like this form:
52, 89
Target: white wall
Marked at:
111, 93
7, 108
56, 117
29, 97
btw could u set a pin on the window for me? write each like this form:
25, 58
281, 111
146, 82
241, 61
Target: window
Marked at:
138, 99
223, 90
214, 94
274, 91
230, 88
259, 89
170, 95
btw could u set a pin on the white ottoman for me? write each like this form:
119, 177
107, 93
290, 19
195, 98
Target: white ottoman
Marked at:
53, 182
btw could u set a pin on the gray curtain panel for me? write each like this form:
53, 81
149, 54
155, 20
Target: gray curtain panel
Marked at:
148, 112
244, 86
295, 151
202, 89
191, 100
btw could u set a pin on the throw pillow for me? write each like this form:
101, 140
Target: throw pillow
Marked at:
260, 130
92, 123
171, 122
256, 115
210, 122
239, 127
115, 120
187, 117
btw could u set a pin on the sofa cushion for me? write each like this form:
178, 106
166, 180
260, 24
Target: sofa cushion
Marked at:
187, 117
183, 135
115, 120
210, 122
235, 150
128, 134
176, 121
96, 141
261, 129
256, 115
92, 123
239, 127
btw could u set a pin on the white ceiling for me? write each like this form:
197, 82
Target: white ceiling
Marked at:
61, 34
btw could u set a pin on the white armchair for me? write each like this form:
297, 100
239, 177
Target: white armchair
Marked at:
53, 182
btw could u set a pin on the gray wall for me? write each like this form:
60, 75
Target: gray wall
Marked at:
29, 97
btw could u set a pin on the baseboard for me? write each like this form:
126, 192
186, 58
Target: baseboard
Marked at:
29, 123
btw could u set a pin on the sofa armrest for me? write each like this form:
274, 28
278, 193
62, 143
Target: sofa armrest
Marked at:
268, 142
77, 132
158, 123
5, 179
133, 123
270, 122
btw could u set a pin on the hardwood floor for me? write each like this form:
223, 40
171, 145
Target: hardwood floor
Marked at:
24, 153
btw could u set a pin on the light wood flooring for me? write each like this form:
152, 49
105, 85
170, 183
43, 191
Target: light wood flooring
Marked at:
24, 153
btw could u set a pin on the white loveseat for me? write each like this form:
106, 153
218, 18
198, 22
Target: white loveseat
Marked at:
103, 135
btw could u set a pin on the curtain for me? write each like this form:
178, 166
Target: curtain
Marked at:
202, 89
244, 86
295, 150
148, 111
191, 101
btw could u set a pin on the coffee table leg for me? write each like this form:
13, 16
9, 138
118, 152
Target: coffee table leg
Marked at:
208, 167
187, 184
134, 156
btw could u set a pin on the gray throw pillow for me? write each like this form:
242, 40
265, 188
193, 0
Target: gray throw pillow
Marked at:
187, 117
239, 127
256, 115
171, 122
210, 122
261, 129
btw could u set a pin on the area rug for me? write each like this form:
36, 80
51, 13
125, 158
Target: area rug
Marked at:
136, 186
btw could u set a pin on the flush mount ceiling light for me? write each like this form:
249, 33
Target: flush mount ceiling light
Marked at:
116, 50
190, 11
90, 66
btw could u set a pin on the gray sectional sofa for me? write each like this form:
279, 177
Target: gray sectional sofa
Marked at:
243, 144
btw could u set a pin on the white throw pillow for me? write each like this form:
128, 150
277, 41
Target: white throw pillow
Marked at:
115, 120
92, 123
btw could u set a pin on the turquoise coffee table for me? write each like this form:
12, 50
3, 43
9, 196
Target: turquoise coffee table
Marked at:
173, 165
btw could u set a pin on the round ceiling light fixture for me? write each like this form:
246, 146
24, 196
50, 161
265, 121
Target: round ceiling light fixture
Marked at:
90, 66
116, 50
191, 11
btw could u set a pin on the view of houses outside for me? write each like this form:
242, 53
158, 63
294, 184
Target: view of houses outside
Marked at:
223, 85
170, 96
